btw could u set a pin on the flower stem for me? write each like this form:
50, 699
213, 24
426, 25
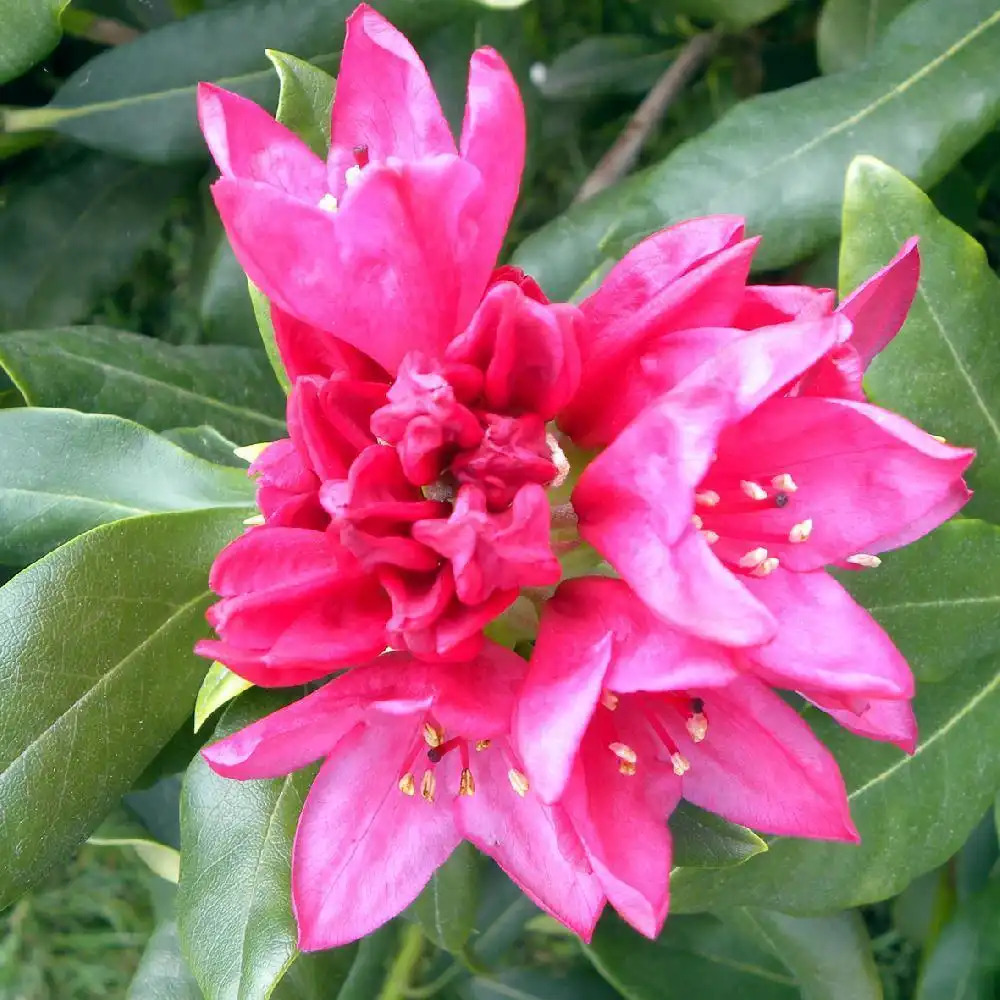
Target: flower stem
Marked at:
410, 950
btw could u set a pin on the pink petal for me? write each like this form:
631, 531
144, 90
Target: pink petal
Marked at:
532, 842
385, 100
248, 144
761, 766
768, 305
889, 720
493, 140
878, 307
363, 849
825, 641
252, 665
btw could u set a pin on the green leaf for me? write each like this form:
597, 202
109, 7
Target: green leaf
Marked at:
319, 975
374, 957
305, 100
162, 972
848, 30
965, 962
227, 315
139, 99
97, 671
733, 14
830, 957
926, 96
234, 905
703, 840
938, 598
71, 234
503, 912
694, 956
605, 64
207, 443
64, 472
262, 313
532, 984
219, 687
121, 829
30, 32
943, 369
912, 812
446, 909
100, 370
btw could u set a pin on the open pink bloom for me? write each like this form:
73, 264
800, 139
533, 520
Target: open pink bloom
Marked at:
416, 757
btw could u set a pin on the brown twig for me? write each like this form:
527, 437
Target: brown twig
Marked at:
621, 157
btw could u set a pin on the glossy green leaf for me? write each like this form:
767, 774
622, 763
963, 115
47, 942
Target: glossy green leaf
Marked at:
162, 972
262, 313
234, 906
30, 31
733, 14
371, 964
219, 687
532, 984
938, 598
703, 840
100, 370
227, 315
446, 909
605, 64
64, 472
86, 704
121, 829
503, 912
72, 233
912, 812
943, 369
847, 31
139, 99
926, 96
305, 100
830, 957
693, 956
207, 443
965, 962
319, 975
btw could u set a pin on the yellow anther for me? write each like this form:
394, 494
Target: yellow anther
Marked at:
609, 700
710, 536
766, 568
681, 764
697, 727
785, 483
753, 558
433, 735
626, 767
482, 744
707, 498
623, 752
800, 532
937, 437
753, 490
467, 785
328, 203
518, 782
864, 559
252, 522
428, 784
697, 522
407, 785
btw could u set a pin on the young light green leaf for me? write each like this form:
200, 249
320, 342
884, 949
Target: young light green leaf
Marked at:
703, 840
30, 31
64, 472
305, 100
262, 313
943, 369
121, 829
926, 96
100, 370
847, 31
219, 687
84, 707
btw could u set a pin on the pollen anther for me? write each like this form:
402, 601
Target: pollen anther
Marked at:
407, 785
433, 735
623, 752
785, 483
428, 784
710, 536
864, 559
328, 203
626, 767
482, 744
753, 558
609, 700
753, 490
765, 568
707, 498
697, 522
800, 532
518, 781
467, 784
697, 727
680, 763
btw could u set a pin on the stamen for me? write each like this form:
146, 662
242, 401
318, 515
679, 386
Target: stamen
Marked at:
681, 764
766, 568
352, 176
785, 483
697, 726
707, 498
710, 536
753, 558
328, 203
781, 499
800, 532
428, 785
753, 490
626, 767
623, 752
467, 785
360, 155
937, 437
434, 754
864, 559
407, 785
697, 522
518, 781
433, 735
482, 744
609, 700
252, 522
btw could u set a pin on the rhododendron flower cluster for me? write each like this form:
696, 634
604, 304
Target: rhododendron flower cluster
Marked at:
556, 559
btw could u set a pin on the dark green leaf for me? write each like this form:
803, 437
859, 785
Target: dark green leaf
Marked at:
64, 472
162, 973
446, 909
305, 100
926, 96
262, 313
939, 598
943, 369
531, 984
227, 315
374, 956
912, 812
319, 975
206, 442
694, 956
730, 13
69, 235
848, 30
704, 840
30, 31
234, 905
830, 957
503, 912
605, 64
96, 672
100, 370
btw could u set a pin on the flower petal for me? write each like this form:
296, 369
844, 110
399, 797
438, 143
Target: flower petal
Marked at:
307, 350
889, 720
